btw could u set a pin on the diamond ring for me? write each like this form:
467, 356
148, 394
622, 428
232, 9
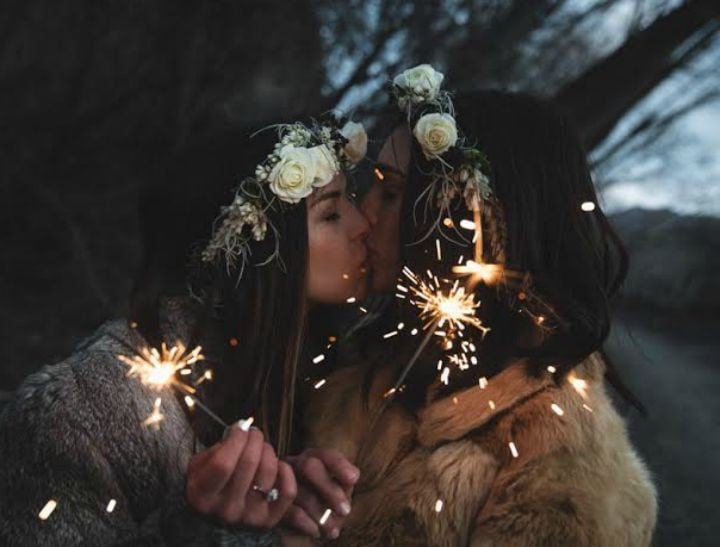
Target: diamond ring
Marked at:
270, 495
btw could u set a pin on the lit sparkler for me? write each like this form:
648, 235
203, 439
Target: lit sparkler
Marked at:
160, 370
449, 306
157, 369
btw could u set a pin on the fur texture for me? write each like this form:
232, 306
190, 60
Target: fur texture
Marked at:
576, 481
73, 433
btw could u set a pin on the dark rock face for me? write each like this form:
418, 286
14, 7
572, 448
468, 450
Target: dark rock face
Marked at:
674, 259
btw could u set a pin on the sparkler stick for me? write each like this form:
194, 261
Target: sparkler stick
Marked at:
209, 412
416, 355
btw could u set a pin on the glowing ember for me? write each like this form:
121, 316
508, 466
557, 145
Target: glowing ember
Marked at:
580, 385
444, 378
325, 516
487, 273
47, 510
156, 416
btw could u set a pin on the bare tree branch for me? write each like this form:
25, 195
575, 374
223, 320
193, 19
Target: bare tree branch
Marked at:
601, 96
390, 28
652, 126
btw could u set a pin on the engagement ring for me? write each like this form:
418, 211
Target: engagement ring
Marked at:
270, 496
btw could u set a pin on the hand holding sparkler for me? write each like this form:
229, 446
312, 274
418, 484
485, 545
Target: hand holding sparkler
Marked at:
240, 480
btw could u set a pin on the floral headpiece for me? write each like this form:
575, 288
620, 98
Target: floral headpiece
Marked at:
461, 169
305, 157
458, 169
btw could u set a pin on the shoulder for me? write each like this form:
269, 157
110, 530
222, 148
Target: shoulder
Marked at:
572, 454
88, 395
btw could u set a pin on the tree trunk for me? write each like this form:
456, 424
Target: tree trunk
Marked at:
600, 97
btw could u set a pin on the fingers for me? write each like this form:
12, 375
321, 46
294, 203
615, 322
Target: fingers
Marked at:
326, 520
209, 472
267, 468
220, 480
337, 465
287, 492
246, 467
297, 519
313, 472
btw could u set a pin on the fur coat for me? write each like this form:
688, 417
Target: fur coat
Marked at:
449, 475
73, 434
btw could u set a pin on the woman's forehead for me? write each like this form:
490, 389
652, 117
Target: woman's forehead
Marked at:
337, 184
395, 152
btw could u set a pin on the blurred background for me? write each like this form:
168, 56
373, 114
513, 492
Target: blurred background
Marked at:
95, 93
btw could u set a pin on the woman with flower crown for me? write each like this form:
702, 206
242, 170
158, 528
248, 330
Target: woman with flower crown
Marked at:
96, 452
473, 400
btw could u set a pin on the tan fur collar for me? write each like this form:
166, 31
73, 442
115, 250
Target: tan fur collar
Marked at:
452, 417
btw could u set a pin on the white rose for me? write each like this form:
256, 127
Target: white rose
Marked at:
436, 133
291, 178
325, 165
421, 80
356, 148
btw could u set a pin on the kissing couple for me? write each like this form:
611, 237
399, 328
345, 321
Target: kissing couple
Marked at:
349, 341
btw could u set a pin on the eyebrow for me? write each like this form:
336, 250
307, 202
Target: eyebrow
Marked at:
327, 195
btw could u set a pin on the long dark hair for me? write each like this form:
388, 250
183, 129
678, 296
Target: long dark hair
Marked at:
540, 177
252, 328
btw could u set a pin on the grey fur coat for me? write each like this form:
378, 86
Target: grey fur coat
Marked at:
73, 434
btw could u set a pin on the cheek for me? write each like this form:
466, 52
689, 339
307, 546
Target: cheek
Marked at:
330, 276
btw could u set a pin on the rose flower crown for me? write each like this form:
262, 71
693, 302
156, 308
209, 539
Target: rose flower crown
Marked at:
305, 157
457, 167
